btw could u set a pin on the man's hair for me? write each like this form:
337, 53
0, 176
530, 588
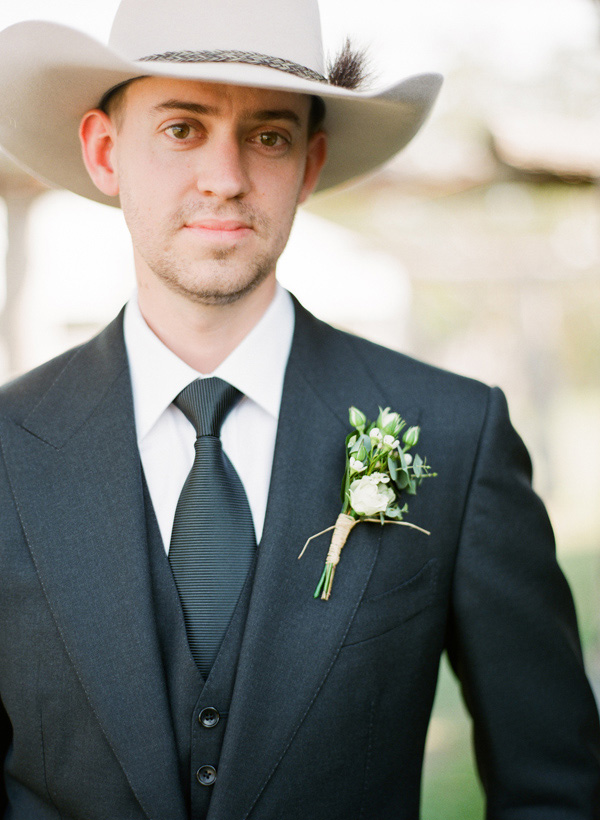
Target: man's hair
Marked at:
113, 103
348, 69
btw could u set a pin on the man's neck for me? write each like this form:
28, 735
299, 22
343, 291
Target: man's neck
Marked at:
201, 335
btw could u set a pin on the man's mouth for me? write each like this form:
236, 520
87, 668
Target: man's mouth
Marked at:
220, 229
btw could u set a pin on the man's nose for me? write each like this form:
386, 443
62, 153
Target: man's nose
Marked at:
223, 171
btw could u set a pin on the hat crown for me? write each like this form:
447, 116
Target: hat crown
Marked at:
287, 29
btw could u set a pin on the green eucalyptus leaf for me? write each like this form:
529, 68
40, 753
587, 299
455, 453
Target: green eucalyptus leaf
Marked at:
403, 480
417, 466
366, 442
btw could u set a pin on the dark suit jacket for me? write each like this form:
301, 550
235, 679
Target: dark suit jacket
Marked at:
332, 700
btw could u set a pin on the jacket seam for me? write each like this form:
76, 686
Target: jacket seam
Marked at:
471, 481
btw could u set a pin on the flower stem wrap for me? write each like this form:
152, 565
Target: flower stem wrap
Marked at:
341, 531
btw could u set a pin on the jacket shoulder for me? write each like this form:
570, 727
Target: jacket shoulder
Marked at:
95, 362
20, 395
408, 377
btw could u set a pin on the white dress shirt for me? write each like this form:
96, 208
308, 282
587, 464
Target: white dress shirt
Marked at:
165, 436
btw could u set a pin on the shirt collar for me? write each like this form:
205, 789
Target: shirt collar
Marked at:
256, 366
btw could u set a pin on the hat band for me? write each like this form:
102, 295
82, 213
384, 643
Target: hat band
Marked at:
248, 57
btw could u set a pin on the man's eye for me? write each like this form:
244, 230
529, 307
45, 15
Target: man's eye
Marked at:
270, 139
180, 131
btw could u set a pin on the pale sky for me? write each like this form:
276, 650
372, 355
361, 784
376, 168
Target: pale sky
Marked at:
405, 37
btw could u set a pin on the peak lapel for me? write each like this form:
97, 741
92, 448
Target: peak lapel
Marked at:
291, 639
74, 467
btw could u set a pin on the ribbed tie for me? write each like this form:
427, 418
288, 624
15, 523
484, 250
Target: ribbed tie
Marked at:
213, 540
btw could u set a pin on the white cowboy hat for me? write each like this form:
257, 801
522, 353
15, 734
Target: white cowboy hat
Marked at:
50, 75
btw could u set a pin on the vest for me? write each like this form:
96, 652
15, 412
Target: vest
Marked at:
199, 707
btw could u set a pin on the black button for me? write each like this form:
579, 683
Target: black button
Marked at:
209, 717
206, 775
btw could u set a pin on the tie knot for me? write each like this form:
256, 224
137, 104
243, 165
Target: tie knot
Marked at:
205, 403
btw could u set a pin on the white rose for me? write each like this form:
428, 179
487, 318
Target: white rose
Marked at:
368, 497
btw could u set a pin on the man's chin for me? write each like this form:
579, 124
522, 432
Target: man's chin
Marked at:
218, 293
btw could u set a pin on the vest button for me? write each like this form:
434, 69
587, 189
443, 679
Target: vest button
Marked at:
209, 717
206, 775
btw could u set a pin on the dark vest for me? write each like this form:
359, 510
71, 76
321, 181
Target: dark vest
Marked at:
199, 707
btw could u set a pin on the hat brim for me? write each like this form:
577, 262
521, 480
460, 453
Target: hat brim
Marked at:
53, 74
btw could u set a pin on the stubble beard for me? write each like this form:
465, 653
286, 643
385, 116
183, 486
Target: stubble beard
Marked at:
218, 279
168, 269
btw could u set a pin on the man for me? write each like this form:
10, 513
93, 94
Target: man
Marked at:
211, 683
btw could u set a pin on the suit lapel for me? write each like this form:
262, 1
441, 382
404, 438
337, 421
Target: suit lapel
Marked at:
75, 470
291, 639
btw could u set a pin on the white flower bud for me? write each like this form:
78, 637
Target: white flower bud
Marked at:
390, 422
411, 437
357, 419
389, 440
376, 434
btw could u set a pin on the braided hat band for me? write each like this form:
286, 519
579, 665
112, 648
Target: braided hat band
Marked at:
247, 57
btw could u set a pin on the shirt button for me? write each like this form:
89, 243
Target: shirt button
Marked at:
209, 717
206, 775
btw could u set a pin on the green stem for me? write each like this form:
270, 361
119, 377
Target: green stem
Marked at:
321, 583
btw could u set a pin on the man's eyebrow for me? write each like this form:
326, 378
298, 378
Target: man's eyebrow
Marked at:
181, 105
211, 110
276, 114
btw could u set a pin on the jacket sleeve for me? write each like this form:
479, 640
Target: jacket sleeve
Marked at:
513, 643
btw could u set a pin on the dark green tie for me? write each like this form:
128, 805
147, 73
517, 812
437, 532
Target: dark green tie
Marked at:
213, 540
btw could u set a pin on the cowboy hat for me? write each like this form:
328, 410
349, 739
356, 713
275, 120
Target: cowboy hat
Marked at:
52, 74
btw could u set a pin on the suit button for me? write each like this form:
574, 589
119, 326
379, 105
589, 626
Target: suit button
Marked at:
209, 717
206, 775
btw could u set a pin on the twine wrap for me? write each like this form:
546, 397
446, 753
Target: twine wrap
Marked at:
343, 527
247, 57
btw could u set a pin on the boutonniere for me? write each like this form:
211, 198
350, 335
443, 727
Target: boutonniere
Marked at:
379, 469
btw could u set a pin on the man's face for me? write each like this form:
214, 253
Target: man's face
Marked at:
210, 177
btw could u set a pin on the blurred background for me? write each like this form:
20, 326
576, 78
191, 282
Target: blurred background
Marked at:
477, 249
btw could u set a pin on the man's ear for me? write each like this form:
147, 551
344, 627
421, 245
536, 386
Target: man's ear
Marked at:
316, 155
97, 133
